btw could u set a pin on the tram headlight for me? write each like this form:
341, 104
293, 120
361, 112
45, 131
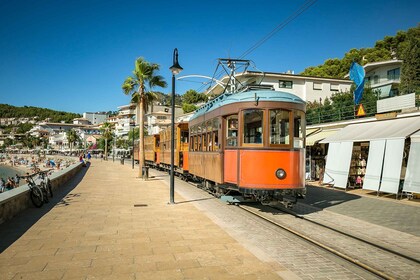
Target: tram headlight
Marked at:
280, 173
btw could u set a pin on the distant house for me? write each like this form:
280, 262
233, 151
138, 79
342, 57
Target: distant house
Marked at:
82, 121
95, 118
384, 76
158, 117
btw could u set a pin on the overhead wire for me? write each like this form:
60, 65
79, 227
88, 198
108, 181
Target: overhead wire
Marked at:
305, 6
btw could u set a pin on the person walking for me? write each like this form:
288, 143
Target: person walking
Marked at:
89, 156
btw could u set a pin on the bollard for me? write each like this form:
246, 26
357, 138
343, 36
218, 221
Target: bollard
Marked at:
122, 161
145, 172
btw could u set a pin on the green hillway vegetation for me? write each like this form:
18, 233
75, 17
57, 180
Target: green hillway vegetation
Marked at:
405, 45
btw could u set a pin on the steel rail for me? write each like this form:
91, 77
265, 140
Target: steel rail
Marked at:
323, 246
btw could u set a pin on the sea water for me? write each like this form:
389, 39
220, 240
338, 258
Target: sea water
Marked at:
6, 171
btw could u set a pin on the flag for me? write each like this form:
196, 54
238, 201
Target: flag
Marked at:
357, 75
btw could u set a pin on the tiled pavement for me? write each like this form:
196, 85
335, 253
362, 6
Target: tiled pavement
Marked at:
95, 232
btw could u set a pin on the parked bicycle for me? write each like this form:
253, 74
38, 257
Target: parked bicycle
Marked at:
36, 193
45, 184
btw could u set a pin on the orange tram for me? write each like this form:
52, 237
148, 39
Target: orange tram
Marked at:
250, 143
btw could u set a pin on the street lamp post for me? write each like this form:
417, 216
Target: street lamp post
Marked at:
132, 151
175, 69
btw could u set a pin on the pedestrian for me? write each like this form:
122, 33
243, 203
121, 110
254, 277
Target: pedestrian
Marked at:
2, 185
89, 156
17, 180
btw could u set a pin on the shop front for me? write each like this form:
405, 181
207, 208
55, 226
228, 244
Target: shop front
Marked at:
371, 155
316, 152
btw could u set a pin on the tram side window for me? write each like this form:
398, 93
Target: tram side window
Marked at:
298, 135
253, 126
232, 131
279, 127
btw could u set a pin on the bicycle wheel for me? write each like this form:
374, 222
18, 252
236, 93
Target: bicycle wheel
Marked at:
37, 196
44, 190
49, 188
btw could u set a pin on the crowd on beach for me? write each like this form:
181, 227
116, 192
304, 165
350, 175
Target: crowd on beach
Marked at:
28, 164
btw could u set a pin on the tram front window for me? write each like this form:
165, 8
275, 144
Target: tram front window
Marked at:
279, 127
253, 126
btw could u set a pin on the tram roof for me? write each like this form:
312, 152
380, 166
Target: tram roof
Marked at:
247, 96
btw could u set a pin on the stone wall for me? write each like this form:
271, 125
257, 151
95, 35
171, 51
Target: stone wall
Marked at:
14, 201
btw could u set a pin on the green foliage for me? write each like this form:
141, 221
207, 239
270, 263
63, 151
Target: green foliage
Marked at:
9, 111
136, 134
404, 45
340, 107
193, 97
187, 108
410, 72
24, 127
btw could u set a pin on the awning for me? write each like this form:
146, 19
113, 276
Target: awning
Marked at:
415, 137
310, 131
412, 175
387, 129
318, 136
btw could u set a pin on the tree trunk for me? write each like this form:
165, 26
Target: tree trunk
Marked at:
106, 149
141, 137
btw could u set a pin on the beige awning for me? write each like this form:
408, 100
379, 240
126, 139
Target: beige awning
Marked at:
399, 128
319, 136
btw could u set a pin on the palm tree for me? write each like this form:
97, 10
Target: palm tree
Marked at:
140, 85
72, 137
106, 134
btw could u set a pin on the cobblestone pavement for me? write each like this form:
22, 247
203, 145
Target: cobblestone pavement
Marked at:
385, 212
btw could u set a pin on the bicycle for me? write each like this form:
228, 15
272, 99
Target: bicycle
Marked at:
45, 184
36, 194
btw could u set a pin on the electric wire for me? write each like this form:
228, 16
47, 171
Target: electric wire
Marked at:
305, 6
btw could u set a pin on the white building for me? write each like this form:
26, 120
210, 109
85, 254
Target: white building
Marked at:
124, 120
385, 76
158, 117
308, 88
95, 118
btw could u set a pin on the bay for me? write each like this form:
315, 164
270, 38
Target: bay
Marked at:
6, 171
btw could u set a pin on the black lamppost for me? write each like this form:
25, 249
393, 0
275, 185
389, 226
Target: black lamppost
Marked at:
132, 151
175, 69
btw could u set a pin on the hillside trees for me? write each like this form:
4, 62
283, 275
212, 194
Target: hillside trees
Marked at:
404, 45
9, 111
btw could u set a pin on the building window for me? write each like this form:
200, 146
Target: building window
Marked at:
285, 84
394, 74
317, 86
334, 87
375, 79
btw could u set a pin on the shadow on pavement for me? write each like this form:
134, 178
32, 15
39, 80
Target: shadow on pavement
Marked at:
12, 230
194, 200
324, 198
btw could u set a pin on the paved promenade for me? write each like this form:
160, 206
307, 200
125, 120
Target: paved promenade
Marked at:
94, 231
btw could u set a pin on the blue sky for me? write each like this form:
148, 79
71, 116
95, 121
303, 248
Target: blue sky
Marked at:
74, 55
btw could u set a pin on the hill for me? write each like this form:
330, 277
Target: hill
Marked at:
404, 45
9, 111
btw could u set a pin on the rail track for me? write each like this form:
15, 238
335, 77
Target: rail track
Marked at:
381, 270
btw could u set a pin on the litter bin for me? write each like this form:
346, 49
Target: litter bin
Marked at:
145, 172
122, 160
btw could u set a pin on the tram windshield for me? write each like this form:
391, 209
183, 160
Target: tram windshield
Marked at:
253, 126
279, 127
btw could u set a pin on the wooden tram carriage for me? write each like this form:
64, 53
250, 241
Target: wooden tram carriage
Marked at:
250, 142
